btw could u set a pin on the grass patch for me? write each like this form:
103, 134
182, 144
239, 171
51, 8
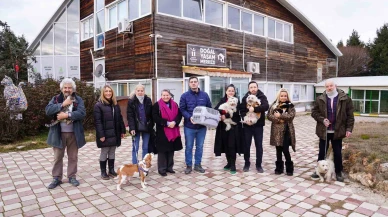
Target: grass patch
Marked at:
364, 137
37, 142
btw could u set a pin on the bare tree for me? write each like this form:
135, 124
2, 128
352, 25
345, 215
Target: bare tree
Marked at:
354, 62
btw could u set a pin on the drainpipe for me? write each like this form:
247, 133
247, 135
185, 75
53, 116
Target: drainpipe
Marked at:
243, 59
336, 71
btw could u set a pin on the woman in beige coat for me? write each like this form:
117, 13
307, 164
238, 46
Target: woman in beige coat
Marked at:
281, 113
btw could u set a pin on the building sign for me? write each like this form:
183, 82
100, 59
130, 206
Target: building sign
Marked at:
198, 55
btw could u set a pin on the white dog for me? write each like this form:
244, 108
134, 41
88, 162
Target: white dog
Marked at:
231, 107
325, 168
252, 117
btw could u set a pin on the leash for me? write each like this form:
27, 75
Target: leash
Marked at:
134, 146
326, 142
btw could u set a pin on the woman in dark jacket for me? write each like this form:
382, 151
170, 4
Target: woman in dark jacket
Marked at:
140, 120
229, 142
167, 117
110, 129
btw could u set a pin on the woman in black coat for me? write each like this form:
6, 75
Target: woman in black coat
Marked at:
167, 116
140, 122
110, 129
229, 142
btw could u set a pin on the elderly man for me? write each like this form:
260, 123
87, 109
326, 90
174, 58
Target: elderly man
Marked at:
333, 111
63, 135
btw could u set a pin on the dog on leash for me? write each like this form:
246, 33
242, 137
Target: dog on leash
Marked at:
125, 172
231, 107
325, 168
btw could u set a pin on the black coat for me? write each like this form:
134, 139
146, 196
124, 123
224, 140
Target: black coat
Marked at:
108, 124
162, 143
260, 109
234, 136
133, 113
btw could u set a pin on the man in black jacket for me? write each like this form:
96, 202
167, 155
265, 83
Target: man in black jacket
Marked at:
256, 130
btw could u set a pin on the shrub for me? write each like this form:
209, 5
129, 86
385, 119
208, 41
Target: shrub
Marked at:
34, 118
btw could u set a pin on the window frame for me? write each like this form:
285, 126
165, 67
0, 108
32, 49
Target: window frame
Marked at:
108, 10
95, 34
223, 13
139, 10
88, 18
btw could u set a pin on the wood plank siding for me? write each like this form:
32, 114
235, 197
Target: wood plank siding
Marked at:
86, 8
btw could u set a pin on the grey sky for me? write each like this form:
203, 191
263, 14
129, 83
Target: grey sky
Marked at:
335, 18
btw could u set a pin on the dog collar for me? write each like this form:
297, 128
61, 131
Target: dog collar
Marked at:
144, 171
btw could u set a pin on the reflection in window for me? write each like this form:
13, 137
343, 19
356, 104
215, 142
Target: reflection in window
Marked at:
72, 38
73, 67
145, 7
192, 9
62, 18
60, 38
99, 4
259, 25
214, 13
233, 18
73, 11
287, 33
122, 10
100, 22
37, 50
112, 17
271, 28
279, 31
133, 9
246, 21
172, 7
47, 43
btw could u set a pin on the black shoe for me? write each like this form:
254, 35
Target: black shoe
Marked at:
279, 167
246, 167
170, 171
188, 170
289, 168
314, 176
199, 168
163, 174
111, 165
339, 177
227, 166
104, 176
73, 182
259, 169
54, 183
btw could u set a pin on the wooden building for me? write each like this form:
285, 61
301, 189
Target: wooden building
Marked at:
161, 43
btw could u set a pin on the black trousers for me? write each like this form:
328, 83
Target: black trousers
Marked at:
337, 151
165, 161
285, 148
257, 133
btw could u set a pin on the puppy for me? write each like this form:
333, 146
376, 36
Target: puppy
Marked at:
125, 172
231, 107
325, 168
252, 117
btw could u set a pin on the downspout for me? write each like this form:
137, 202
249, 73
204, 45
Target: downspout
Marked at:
243, 57
336, 73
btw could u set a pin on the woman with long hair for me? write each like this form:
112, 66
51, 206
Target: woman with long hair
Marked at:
167, 116
281, 113
110, 129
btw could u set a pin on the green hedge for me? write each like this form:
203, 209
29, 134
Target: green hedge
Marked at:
38, 95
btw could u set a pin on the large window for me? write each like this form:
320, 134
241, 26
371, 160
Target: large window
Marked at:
73, 38
100, 24
233, 18
192, 9
172, 7
112, 17
122, 10
60, 38
279, 31
246, 21
271, 28
47, 43
139, 8
87, 28
214, 13
259, 25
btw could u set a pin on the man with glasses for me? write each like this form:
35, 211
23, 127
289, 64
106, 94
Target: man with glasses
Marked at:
192, 98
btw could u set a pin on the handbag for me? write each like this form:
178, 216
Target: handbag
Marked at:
141, 127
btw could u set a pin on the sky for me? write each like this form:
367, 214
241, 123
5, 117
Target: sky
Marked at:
335, 18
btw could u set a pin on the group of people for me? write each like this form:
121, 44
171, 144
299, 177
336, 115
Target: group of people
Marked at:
333, 111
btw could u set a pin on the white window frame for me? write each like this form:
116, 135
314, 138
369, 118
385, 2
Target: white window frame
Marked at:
223, 13
108, 16
95, 25
241, 21
87, 19
140, 16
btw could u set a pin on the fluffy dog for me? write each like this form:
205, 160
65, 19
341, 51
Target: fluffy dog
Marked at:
252, 117
325, 168
231, 107
134, 170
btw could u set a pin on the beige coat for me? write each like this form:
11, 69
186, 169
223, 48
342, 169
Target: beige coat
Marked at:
278, 127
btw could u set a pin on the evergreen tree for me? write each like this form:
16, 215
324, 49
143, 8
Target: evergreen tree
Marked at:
13, 51
379, 52
354, 40
340, 44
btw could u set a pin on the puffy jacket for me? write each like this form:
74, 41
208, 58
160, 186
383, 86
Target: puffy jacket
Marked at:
344, 115
260, 109
189, 101
109, 123
133, 113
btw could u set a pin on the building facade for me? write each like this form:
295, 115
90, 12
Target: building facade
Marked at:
221, 42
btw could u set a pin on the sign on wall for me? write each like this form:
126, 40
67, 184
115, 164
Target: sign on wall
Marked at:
198, 55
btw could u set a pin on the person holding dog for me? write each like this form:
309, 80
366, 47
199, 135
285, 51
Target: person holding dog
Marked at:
192, 98
110, 129
254, 130
139, 115
63, 136
333, 111
281, 113
229, 141
167, 117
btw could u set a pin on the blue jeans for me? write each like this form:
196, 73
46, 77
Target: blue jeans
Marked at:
199, 136
146, 139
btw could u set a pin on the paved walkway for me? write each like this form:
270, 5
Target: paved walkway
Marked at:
25, 175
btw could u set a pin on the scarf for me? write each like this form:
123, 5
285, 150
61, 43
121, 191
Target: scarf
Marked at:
140, 98
332, 95
169, 115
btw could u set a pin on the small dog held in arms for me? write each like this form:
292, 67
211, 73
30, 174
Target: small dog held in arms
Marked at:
252, 117
125, 172
325, 168
231, 107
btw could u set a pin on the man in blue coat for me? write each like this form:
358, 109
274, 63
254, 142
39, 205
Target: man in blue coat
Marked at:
66, 136
189, 100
